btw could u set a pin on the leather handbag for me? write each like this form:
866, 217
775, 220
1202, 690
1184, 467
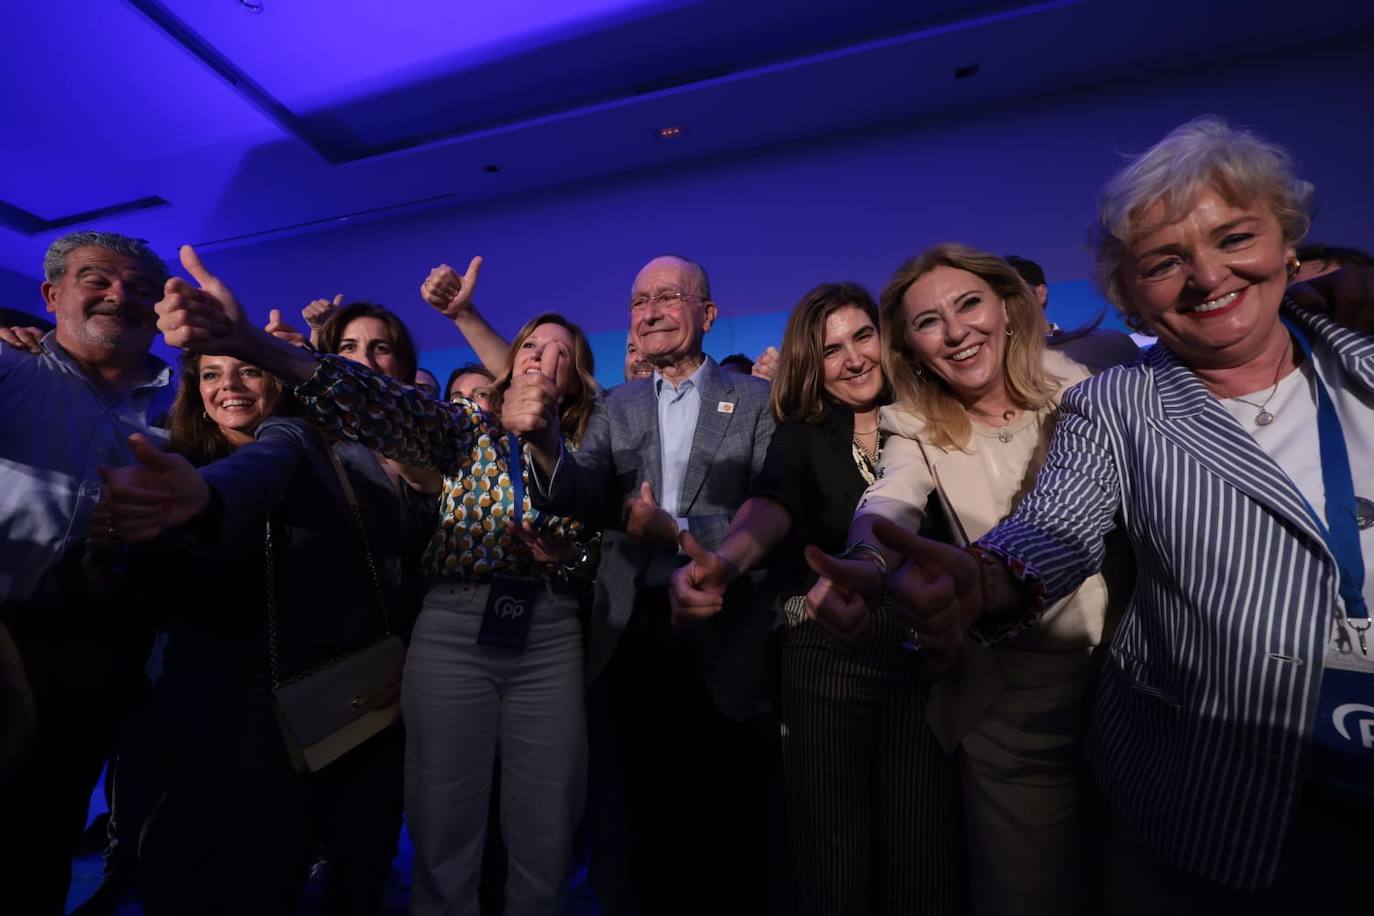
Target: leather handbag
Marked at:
327, 711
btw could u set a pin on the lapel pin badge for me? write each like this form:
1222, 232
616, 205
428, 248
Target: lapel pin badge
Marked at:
725, 407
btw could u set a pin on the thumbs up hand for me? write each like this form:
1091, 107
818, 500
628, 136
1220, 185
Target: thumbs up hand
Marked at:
317, 312
841, 600
446, 291
645, 521
143, 500
530, 405
283, 331
697, 590
938, 590
205, 318
766, 366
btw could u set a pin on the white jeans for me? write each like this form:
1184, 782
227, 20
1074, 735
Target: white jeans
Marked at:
462, 701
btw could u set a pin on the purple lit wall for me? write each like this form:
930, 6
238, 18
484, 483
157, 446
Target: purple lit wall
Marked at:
769, 225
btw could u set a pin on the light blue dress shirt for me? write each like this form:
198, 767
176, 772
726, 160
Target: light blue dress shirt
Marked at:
56, 428
678, 409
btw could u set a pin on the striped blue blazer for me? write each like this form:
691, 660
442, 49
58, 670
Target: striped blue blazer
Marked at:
1207, 699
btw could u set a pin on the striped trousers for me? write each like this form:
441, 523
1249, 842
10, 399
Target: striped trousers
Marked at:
872, 801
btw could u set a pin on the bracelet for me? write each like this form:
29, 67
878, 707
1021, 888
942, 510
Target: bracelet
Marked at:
866, 551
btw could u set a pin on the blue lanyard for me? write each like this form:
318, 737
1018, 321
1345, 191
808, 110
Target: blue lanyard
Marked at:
517, 477
1341, 531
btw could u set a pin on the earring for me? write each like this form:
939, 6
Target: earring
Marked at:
1293, 266
918, 369
1010, 332
204, 415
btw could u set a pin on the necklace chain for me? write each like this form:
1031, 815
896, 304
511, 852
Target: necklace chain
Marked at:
1264, 417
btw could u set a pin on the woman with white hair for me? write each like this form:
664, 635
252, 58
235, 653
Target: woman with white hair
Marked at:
1232, 740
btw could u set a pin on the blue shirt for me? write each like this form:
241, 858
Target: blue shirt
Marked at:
56, 428
678, 409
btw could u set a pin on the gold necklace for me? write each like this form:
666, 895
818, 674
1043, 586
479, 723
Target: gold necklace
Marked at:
1004, 435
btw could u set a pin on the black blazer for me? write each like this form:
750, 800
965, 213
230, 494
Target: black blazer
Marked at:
810, 472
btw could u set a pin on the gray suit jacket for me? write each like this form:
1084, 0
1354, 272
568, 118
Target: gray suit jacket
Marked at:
621, 448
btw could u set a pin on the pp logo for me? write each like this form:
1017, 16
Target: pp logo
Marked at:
509, 608
1365, 722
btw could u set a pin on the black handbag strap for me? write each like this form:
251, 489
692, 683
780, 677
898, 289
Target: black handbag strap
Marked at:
356, 512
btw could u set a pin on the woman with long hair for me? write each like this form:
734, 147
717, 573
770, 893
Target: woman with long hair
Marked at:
238, 826
872, 807
496, 656
975, 400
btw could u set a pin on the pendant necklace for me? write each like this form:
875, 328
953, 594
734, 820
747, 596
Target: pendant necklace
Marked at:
1264, 417
1004, 435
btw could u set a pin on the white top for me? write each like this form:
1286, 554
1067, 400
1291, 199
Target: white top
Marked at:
1292, 441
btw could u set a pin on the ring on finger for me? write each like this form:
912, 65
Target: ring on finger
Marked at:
911, 640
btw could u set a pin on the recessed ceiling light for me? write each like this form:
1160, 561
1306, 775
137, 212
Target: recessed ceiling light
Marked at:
491, 169
252, 6
964, 73
671, 132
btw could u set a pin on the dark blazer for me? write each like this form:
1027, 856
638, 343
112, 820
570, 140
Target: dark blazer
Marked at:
620, 449
1207, 700
324, 593
810, 472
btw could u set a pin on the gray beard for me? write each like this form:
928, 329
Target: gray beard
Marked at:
128, 333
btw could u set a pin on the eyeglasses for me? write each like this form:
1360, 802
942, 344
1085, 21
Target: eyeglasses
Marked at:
667, 300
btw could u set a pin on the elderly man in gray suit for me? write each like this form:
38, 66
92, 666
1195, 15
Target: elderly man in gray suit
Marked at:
674, 452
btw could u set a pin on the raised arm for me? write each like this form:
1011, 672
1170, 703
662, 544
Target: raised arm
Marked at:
452, 295
346, 397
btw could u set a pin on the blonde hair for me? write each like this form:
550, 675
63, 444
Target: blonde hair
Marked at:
798, 392
1029, 385
1206, 152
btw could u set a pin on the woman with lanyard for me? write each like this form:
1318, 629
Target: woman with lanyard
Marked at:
496, 655
1233, 737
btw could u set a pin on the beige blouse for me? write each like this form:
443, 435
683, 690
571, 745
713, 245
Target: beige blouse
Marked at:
980, 485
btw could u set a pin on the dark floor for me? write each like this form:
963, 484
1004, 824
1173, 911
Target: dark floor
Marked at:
86, 877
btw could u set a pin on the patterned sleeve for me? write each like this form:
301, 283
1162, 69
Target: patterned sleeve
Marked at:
351, 401
1056, 537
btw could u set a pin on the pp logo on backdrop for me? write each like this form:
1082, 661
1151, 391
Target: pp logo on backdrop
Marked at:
1364, 724
509, 607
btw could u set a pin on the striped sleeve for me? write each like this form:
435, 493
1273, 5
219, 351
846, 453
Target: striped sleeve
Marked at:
1055, 538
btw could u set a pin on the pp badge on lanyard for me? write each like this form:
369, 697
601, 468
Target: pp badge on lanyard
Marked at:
510, 599
1343, 734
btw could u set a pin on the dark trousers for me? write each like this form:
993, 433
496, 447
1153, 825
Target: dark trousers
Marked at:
1326, 868
872, 800
696, 784
83, 678
238, 827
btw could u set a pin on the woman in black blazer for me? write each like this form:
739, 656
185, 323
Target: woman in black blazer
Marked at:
871, 801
